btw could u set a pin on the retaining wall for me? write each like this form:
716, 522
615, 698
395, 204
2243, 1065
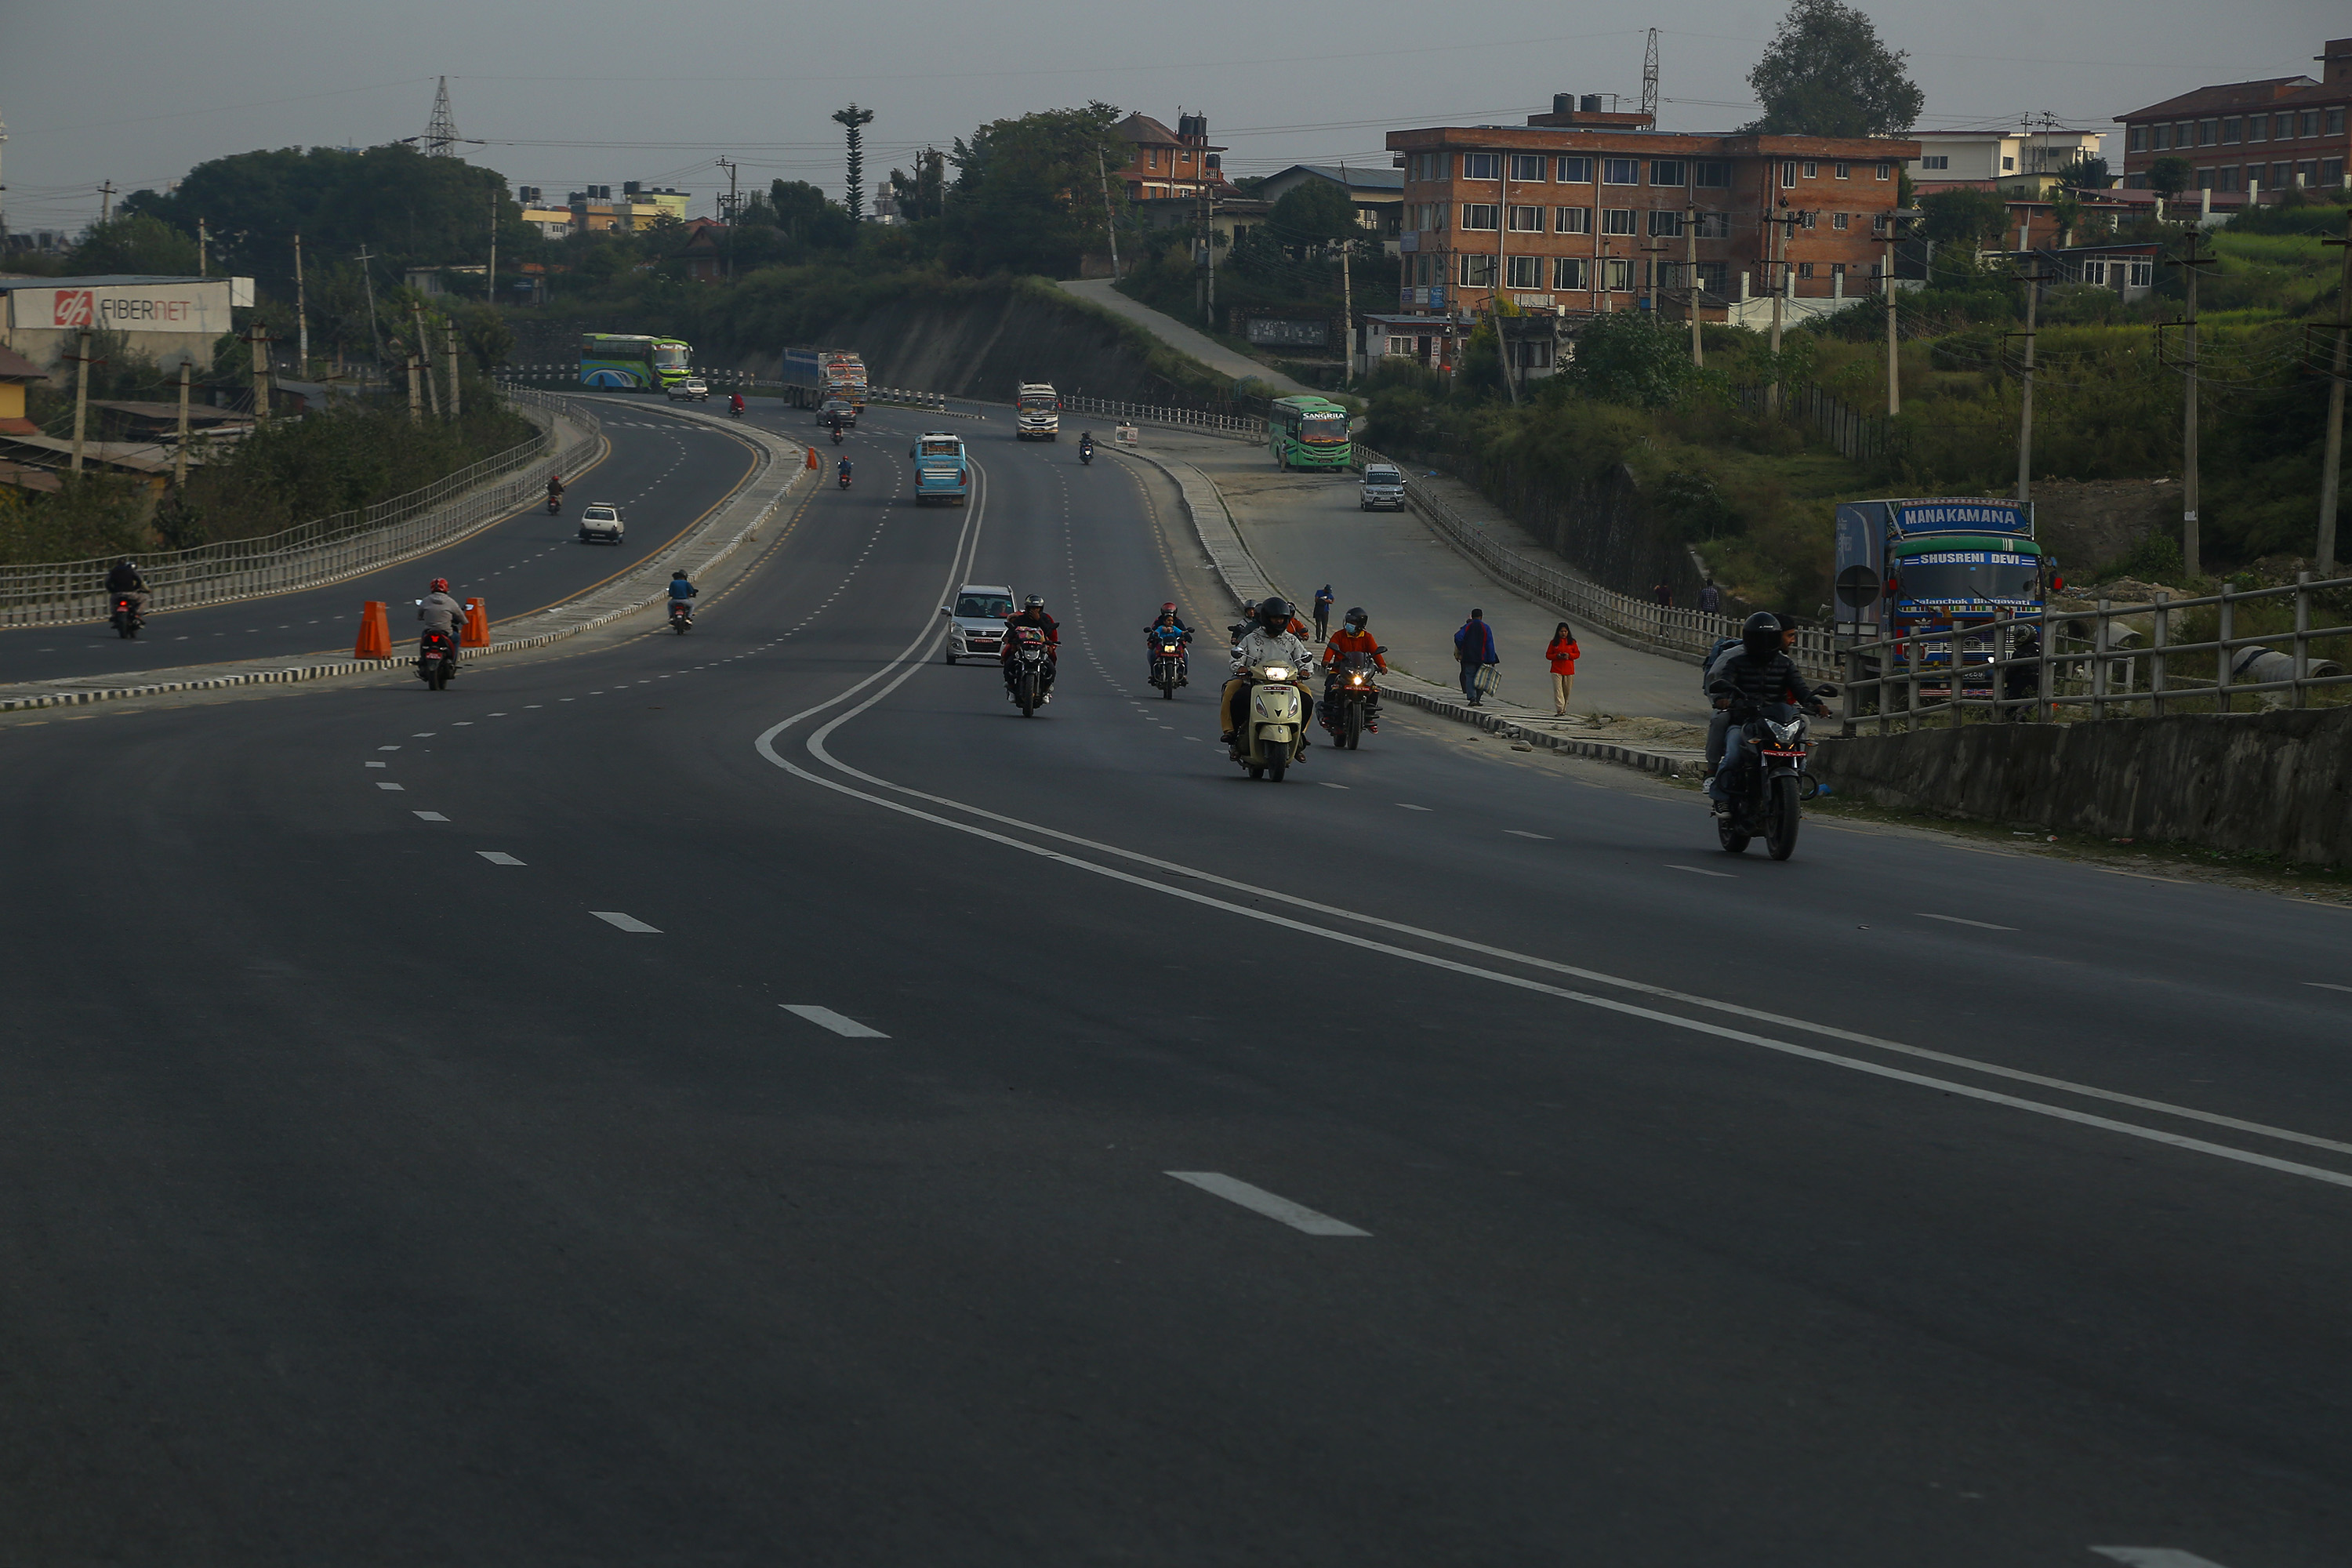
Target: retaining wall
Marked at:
2277, 783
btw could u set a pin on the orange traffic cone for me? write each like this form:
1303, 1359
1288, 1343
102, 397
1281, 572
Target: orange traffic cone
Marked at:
375, 632
811, 452
477, 625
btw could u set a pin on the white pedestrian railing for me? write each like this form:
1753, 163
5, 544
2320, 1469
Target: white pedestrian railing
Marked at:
312, 554
1683, 631
1246, 428
2200, 654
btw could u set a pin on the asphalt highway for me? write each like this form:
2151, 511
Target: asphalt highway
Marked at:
663, 471
752, 1096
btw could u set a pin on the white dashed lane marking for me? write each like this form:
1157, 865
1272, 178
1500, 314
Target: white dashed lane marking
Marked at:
1298, 1217
387, 784
1956, 920
1701, 871
827, 1018
430, 817
498, 857
1521, 833
625, 922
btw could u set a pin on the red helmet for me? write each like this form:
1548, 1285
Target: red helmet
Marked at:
1168, 609
440, 585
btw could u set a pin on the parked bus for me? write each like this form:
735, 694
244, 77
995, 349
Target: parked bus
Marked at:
1308, 432
942, 470
1933, 577
628, 362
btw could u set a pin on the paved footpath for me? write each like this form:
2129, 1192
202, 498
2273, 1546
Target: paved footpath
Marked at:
1181, 338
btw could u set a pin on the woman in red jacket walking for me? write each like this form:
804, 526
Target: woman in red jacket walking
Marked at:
1563, 654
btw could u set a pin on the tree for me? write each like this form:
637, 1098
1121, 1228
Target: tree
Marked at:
805, 215
1027, 194
853, 119
1967, 218
2085, 171
1633, 356
135, 242
1314, 213
1826, 74
2167, 177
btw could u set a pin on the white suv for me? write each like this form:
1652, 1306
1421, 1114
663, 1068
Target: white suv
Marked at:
690, 390
602, 521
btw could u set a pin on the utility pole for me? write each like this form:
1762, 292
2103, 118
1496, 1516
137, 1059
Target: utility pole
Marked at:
2191, 552
258, 336
2332, 466
1886, 286
204, 242
301, 313
367, 278
81, 392
1110, 225
415, 393
732, 213
491, 293
1779, 266
106, 203
1690, 276
424, 357
2034, 281
452, 330
179, 453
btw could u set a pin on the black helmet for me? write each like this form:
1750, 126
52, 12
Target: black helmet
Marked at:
1760, 634
1274, 614
1033, 602
1356, 618
679, 573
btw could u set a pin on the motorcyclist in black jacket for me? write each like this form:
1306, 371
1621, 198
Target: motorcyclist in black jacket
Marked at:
123, 581
1760, 676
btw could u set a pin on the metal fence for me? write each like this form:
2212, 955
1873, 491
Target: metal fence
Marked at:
1865, 438
1239, 426
1682, 631
2203, 654
311, 553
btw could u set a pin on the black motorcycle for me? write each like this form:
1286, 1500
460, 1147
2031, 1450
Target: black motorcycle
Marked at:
1168, 666
681, 616
1030, 680
126, 618
1352, 699
436, 658
1760, 794
554, 503
1086, 453
836, 434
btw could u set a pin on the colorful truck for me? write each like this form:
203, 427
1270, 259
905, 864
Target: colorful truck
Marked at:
1930, 578
826, 379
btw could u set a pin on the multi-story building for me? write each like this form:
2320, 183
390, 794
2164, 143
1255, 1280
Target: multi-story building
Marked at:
1168, 165
1583, 210
2011, 162
2265, 136
1379, 193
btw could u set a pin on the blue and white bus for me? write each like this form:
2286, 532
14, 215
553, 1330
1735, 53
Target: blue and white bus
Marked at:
943, 472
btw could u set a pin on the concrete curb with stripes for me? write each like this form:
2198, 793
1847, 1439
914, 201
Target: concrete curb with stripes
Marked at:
753, 504
1246, 579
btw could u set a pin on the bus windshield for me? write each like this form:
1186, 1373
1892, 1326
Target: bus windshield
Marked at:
981, 606
1955, 579
1323, 429
669, 356
1037, 400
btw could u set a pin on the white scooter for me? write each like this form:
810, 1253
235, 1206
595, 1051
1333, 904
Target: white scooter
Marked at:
1272, 733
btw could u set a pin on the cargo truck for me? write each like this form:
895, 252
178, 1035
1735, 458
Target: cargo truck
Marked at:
1930, 579
819, 378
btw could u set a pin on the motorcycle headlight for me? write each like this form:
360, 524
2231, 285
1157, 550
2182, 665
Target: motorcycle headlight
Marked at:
1786, 733
1277, 672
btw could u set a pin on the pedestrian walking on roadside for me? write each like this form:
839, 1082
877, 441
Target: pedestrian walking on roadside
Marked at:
1665, 593
1710, 597
1563, 653
1474, 646
1323, 602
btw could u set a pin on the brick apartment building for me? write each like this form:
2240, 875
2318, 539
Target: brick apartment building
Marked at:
1170, 165
1583, 211
2264, 135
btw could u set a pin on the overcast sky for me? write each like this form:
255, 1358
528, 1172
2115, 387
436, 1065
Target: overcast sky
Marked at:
602, 91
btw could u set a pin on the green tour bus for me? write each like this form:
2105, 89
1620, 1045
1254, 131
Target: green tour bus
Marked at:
626, 363
1307, 433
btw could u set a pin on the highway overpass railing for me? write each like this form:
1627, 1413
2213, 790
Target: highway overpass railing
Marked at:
2238, 650
312, 554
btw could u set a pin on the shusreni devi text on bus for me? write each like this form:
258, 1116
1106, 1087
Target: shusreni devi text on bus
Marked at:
1308, 432
628, 362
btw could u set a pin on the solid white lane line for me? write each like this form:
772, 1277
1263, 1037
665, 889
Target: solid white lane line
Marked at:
1700, 870
825, 1017
379, 764
423, 735
463, 722
387, 784
2155, 1557
429, 816
626, 922
387, 748
1410, 807
498, 857
2323, 985
1956, 920
1521, 833
1298, 1217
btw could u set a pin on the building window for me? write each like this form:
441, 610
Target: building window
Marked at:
1477, 271
1526, 165
1666, 221
2136, 138
1843, 171
2143, 274
1527, 220
1522, 272
1572, 220
1838, 220
2009, 165
2208, 180
1429, 166
1576, 171
1666, 171
1887, 171
1711, 276
1837, 268
2310, 126
1809, 220
1804, 269
1571, 273
2232, 131
1936, 161
2333, 124
1482, 165
1715, 226
2208, 131
2258, 129
1621, 171
1478, 216
2282, 173
1618, 220
1812, 171
2307, 172
1788, 174
1711, 176
2163, 137
1617, 276
2184, 135
2225, 179
2331, 173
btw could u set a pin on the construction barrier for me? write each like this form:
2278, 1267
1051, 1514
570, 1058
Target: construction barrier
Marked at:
375, 632
476, 633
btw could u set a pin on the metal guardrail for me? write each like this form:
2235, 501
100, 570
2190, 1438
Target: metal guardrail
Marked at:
312, 553
1246, 427
1683, 631
2107, 658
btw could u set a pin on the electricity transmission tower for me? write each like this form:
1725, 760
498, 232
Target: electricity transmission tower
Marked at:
1650, 80
852, 118
441, 135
